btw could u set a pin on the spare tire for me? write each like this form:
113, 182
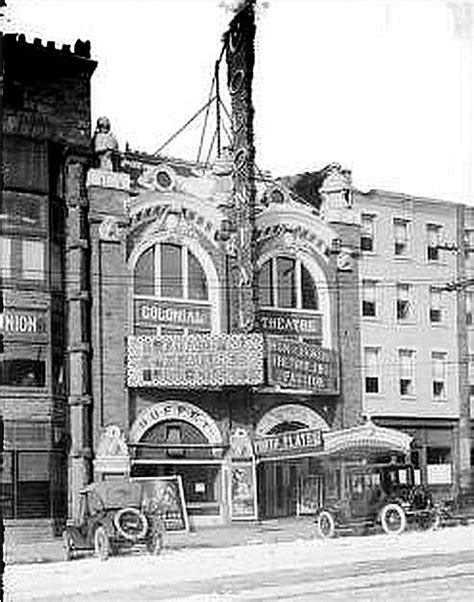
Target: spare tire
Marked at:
130, 523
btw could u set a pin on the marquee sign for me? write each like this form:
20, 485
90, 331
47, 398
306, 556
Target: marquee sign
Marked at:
195, 361
296, 365
153, 313
286, 323
300, 441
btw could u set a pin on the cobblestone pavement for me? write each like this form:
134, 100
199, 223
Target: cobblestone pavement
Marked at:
413, 566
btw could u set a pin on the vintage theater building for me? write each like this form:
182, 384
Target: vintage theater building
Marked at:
224, 327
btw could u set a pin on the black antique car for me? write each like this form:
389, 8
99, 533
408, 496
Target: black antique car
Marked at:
379, 495
113, 516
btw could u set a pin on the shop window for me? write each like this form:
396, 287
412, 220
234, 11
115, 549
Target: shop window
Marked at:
436, 314
439, 375
438, 465
404, 304
367, 233
406, 360
22, 373
286, 283
32, 267
401, 239
372, 369
433, 235
197, 281
369, 301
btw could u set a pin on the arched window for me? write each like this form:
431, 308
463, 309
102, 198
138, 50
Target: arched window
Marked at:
172, 276
284, 282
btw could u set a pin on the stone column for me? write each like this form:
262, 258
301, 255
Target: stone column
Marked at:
78, 343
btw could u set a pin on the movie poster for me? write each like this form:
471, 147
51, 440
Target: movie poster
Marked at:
243, 503
167, 495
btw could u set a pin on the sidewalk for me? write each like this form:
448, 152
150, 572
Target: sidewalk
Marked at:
270, 531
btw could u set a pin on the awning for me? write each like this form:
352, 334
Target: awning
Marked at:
366, 438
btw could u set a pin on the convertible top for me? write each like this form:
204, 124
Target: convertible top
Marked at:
116, 494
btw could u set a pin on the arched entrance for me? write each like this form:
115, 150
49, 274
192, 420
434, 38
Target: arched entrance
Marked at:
178, 438
289, 473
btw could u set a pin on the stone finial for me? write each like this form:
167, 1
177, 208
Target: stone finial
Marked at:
105, 143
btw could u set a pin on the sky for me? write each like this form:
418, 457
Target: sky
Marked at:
383, 87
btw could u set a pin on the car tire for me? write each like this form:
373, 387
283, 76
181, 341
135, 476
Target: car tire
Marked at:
393, 519
154, 543
68, 546
326, 525
101, 544
144, 523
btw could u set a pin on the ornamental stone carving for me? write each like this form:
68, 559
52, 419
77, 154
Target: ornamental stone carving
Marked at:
109, 230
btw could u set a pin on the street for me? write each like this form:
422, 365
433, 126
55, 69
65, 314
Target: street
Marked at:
414, 566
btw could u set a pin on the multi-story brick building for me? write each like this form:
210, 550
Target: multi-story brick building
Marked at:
415, 331
46, 131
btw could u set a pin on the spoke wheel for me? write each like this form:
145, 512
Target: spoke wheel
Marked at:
393, 519
101, 544
68, 553
326, 525
154, 543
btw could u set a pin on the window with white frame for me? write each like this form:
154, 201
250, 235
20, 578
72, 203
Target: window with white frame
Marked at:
22, 259
372, 369
439, 360
404, 301
436, 309
401, 237
406, 363
171, 272
367, 241
285, 282
369, 298
433, 241
5, 257
469, 241
469, 307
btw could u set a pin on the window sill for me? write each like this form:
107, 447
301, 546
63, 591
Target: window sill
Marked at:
371, 318
439, 399
402, 257
410, 322
408, 397
375, 395
438, 324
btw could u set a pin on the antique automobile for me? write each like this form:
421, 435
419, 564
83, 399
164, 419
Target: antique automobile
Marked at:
113, 516
379, 495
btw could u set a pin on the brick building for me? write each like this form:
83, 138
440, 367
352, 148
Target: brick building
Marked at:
46, 136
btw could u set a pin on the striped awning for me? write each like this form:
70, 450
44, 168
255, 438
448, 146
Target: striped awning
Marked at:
366, 438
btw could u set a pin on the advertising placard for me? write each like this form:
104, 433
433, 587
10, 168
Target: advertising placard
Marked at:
195, 361
167, 494
297, 365
25, 323
243, 494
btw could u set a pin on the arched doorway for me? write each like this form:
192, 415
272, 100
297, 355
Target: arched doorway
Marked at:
290, 477
177, 438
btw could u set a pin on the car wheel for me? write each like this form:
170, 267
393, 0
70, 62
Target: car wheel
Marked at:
101, 544
393, 519
68, 545
154, 543
326, 525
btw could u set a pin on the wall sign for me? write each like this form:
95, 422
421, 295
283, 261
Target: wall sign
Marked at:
24, 323
166, 495
154, 313
286, 323
195, 361
289, 442
296, 365
175, 410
